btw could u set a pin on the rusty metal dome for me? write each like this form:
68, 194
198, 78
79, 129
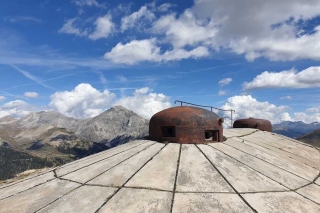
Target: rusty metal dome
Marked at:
186, 124
255, 123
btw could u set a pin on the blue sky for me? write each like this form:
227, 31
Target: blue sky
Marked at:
81, 57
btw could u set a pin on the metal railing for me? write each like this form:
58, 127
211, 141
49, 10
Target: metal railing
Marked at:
211, 107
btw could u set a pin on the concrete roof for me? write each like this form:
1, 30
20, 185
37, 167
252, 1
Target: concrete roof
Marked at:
253, 171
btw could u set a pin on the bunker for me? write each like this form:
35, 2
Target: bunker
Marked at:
186, 125
254, 123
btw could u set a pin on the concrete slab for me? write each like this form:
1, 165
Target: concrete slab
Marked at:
85, 199
209, 203
262, 143
285, 163
118, 175
318, 181
242, 177
237, 132
36, 198
103, 153
160, 172
280, 202
289, 146
138, 200
70, 167
196, 174
311, 191
82, 175
24, 185
279, 175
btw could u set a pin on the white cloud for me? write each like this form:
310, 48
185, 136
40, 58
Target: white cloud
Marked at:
307, 117
314, 109
17, 108
246, 106
31, 94
104, 27
70, 28
137, 18
18, 19
271, 31
186, 30
145, 103
82, 102
86, 3
222, 92
307, 78
165, 7
288, 97
2, 98
146, 50
225, 81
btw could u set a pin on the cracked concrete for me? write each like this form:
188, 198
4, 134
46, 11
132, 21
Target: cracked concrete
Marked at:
253, 171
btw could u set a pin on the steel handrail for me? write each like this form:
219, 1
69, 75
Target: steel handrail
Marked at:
211, 107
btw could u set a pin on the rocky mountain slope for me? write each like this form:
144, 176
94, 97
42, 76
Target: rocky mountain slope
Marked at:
53, 134
294, 129
312, 138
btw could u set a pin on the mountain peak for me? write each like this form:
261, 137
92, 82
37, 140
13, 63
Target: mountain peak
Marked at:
6, 119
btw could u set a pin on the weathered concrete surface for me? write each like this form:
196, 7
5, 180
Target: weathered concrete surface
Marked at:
274, 158
138, 200
160, 172
36, 198
261, 142
86, 199
118, 175
237, 132
24, 185
280, 202
311, 191
209, 203
82, 175
242, 177
196, 174
287, 145
279, 175
70, 167
318, 181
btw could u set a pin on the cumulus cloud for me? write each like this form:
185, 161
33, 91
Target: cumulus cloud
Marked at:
104, 27
144, 102
17, 108
246, 106
307, 78
225, 81
70, 28
147, 50
2, 98
81, 102
185, 30
31, 94
137, 18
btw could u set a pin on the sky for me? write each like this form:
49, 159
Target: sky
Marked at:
81, 57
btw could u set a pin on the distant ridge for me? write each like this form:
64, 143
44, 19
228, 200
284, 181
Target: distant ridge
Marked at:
312, 138
294, 129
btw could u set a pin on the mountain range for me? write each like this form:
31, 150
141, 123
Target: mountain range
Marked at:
51, 134
294, 129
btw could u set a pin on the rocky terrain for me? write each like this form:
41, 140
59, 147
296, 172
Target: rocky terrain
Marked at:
312, 138
294, 129
52, 136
